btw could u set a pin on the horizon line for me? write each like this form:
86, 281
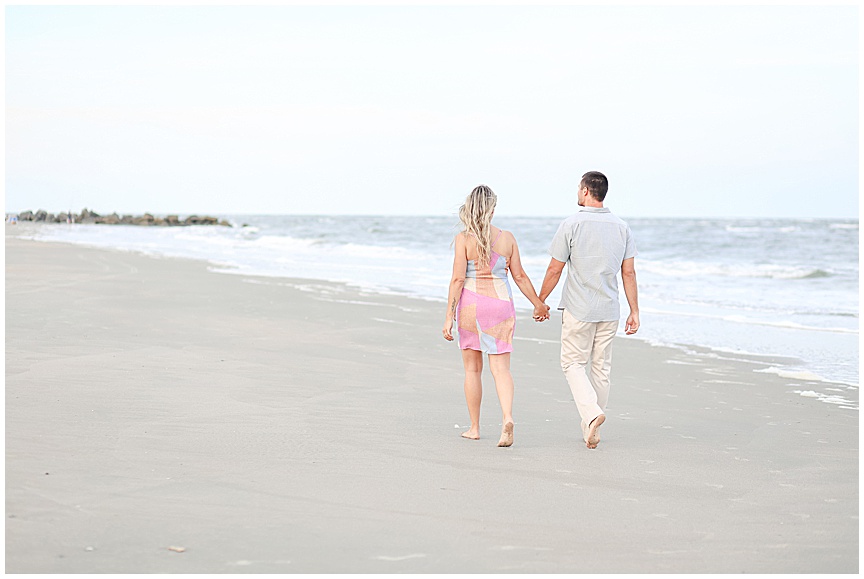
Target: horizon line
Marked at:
428, 215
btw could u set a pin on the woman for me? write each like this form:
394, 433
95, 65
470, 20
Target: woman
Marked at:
480, 294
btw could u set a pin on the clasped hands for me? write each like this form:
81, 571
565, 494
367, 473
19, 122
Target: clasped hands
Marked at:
541, 313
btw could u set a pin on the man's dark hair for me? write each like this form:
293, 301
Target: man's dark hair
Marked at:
596, 183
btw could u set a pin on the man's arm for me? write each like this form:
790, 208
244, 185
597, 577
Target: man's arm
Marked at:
553, 274
628, 277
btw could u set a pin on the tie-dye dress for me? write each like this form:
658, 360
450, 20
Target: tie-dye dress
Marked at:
486, 315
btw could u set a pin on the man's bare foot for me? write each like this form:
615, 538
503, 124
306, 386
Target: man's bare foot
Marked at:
471, 434
506, 435
593, 435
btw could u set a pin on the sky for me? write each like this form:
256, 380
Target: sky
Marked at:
690, 110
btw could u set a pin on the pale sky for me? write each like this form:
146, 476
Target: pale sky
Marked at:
702, 111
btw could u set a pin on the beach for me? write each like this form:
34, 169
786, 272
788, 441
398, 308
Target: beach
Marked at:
262, 424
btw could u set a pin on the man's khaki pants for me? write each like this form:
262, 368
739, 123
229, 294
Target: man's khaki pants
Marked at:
586, 350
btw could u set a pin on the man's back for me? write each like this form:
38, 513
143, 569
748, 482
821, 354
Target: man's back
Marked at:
593, 243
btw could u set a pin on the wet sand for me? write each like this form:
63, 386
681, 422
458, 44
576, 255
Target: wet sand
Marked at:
272, 425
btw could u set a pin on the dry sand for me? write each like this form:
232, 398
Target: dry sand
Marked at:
269, 425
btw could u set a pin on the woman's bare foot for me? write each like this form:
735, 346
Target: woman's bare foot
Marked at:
472, 434
506, 435
593, 435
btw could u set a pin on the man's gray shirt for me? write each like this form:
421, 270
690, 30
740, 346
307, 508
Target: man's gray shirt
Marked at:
593, 243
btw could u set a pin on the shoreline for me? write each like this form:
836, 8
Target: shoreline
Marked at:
790, 367
267, 428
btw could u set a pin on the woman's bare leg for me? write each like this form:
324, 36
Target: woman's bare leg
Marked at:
473, 361
499, 364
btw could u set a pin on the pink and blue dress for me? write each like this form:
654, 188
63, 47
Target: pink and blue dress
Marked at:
486, 316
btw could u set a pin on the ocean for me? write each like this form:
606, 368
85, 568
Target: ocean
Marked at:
785, 288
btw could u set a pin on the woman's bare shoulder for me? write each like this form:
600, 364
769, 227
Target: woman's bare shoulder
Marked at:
462, 239
508, 237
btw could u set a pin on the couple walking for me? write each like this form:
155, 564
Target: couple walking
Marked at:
594, 245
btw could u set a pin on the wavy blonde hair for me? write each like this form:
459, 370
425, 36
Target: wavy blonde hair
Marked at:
476, 216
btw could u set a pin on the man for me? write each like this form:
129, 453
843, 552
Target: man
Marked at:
595, 245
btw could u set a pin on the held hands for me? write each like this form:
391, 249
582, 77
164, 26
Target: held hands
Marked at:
541, 313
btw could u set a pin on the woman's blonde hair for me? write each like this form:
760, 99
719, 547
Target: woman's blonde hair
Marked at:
476, 216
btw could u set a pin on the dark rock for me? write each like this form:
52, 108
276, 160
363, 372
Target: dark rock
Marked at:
196, 220
145, 219
112, 219
87, 216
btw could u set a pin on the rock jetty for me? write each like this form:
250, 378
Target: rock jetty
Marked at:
147, 219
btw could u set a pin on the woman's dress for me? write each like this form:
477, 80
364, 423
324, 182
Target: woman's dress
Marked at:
486, 316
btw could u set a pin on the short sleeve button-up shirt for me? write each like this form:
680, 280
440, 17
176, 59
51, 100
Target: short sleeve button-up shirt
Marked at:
593, 243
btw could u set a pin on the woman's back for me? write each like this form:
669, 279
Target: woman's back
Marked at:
502, 243
486, 314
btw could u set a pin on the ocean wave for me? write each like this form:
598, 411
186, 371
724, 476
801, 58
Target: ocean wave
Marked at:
815, 274
738, 319
762, 308
281, 242
762, 228
744, 229
787, 324
738, 355
828, 398
802, 375
767, 271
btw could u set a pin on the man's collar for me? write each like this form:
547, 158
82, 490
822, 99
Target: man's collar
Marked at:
595, 209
